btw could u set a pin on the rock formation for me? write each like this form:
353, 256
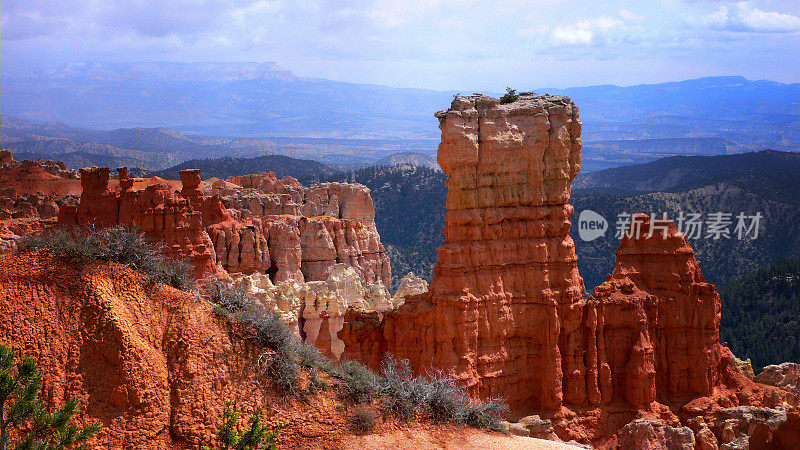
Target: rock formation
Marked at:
636, 364
37, 177
31, 194
28, 206
309, 229
156, 365
157, 211
307, 306
268, 226
409, 285
785, 376
654, 325
506, 312
654, 434
501, 305
6, 158
56, 168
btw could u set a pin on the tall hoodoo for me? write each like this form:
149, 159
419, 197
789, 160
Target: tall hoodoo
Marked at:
506, 280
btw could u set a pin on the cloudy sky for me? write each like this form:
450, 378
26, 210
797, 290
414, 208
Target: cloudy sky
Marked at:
465, 44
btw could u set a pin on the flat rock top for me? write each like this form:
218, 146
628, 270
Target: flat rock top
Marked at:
524, 101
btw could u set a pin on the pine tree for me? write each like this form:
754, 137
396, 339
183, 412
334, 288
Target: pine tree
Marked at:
229, 437
20, 409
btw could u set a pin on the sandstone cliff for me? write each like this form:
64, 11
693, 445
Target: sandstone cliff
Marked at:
162, 214
308, 306
506, 278
654, 325
311, 228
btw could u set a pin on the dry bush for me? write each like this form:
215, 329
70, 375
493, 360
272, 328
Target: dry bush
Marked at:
363, 419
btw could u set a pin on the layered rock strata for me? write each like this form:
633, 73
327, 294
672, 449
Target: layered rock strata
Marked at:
653, 327
310, 228
506, 283
159, 212
274, 227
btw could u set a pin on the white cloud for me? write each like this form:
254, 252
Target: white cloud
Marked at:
628, 15
744, 17
587, 32
602, 31
390, 41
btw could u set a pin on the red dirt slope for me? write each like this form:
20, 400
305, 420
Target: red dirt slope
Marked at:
155, 365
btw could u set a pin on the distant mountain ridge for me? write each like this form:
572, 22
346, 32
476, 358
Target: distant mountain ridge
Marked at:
687, 172
262, 99
160, 148
150, 148
197, 71
306, 171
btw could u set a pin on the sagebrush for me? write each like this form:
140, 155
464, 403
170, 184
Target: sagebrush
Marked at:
362, 419
396, 390
117, 244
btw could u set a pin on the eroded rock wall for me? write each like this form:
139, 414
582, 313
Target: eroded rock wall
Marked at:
654, 333
268, 226
507, 313
299, 232
57, 168
316, 310
159, 212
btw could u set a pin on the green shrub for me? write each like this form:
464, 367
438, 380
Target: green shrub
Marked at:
255, 438
21, 409
362, 419
115, 244
509, 97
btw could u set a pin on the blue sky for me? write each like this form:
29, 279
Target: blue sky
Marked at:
465, 44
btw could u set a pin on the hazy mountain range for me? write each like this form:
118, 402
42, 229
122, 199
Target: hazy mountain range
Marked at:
244, 107
162, 148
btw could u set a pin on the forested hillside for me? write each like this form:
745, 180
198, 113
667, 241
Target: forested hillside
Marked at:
775, 197
761, 314
305, 170
680, 173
